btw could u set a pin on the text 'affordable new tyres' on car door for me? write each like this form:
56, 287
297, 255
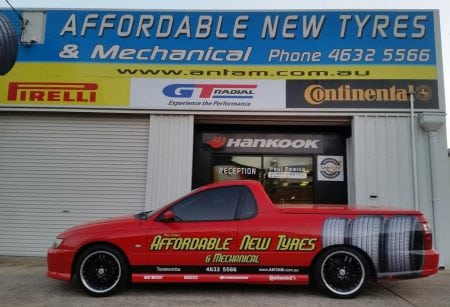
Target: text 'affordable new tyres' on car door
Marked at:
196, 235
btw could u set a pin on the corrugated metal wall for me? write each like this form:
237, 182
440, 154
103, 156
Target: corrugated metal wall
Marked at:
382, 165
60, 170
381, 150
170, 158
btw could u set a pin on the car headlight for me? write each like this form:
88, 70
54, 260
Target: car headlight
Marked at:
57, 242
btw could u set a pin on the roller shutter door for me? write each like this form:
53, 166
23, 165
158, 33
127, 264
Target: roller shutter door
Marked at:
57, 171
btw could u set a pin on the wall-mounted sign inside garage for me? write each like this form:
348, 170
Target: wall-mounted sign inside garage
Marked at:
8, 45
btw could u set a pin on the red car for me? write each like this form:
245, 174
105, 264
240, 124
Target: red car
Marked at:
232, 232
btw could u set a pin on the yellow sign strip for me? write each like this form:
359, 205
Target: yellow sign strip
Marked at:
91, 85
79, 71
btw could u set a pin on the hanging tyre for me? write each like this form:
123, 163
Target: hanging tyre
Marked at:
102, 270
404, 236
366, 234
8, 45
334, 232
341, 272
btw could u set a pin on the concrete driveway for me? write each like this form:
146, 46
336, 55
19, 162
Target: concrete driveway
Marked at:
23, 283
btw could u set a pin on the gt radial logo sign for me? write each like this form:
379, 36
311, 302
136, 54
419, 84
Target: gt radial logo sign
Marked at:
208, 94
231, 91
266, 143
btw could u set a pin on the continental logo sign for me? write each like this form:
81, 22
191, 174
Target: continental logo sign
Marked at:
361, 94
51, 92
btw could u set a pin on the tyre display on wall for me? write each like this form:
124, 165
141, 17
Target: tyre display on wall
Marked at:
334, 231
8, 45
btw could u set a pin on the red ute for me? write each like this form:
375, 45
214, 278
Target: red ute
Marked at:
232, 232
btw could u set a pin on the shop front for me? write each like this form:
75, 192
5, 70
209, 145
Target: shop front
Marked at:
110, 111
293, 168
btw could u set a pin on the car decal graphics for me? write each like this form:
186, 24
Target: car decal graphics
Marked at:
226, 258
393, 244
190, 244
282, 242
191, 269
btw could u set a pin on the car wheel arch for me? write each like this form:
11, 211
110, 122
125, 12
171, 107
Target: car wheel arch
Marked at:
85, 247
372, 275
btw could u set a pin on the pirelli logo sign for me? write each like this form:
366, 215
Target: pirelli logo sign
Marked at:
52, 92
367, 94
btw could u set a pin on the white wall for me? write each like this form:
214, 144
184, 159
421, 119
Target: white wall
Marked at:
381, 151
171, 143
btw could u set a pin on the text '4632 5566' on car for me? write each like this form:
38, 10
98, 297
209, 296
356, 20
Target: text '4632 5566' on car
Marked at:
232, 232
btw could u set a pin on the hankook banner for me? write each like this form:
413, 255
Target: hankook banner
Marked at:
263, 143
145, 59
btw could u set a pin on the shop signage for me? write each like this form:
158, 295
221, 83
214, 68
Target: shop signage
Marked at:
224, 60
203, 94
361, 94
330, 168
287, 175
263, 143
247, 37
37, 92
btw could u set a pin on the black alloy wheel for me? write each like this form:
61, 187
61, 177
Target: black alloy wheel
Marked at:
102, 270
341, 272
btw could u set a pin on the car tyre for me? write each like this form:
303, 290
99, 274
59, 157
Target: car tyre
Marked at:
102, 270
334, 232
366, 234
341, 272
8, 45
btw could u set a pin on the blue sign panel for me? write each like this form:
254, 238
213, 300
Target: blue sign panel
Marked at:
238, 38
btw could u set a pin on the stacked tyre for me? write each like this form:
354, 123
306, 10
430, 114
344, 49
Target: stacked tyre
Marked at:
8, 45
389, 242
403, 235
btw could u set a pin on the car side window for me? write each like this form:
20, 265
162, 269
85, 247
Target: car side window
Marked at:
212, 205
247, 208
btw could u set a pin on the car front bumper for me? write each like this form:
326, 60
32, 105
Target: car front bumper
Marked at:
59, 263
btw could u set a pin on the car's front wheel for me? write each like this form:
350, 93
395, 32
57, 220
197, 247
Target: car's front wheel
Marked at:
341, 272
102, 270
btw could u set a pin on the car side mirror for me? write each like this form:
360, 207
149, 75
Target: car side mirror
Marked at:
168, 216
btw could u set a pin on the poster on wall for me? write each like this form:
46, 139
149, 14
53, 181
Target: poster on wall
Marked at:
330, 168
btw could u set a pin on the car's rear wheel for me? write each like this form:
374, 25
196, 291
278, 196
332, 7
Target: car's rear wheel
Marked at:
102, 270
341, 272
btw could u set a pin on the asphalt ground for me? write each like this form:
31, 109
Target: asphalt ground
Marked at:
23, 282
